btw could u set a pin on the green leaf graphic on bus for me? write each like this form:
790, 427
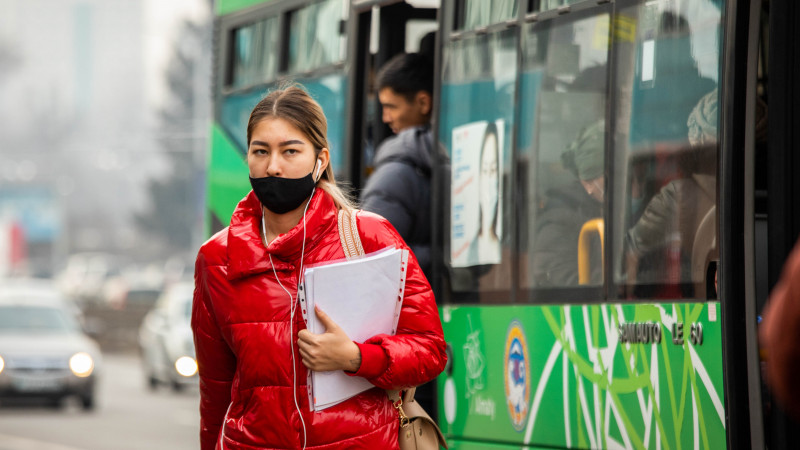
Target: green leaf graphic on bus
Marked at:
592, 376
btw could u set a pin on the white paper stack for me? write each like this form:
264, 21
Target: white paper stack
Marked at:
363, 296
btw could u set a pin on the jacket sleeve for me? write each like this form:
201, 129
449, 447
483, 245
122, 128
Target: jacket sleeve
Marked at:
216, 362
780, 333
652, 231
416, 354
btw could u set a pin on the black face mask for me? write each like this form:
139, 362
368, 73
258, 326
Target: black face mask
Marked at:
281, 195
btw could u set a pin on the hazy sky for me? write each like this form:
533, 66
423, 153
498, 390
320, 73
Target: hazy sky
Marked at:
161, 22
81, 85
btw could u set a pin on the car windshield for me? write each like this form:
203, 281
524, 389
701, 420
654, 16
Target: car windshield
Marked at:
180, 301
34, 319
181, 308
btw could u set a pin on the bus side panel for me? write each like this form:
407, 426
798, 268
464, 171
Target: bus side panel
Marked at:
227, 177
455, 444
585, 376
229, 6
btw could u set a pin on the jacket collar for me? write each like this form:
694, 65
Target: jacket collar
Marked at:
246, 253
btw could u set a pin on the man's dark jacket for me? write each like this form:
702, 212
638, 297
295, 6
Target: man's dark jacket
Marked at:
400, 189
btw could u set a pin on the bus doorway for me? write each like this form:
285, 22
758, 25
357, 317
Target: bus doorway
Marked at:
381, 30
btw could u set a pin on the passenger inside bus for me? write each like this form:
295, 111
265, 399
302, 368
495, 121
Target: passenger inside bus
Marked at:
677, 229
400, 187
566, 209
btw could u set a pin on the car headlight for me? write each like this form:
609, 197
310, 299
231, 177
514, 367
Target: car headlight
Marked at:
81, 364
186, 366
2, 364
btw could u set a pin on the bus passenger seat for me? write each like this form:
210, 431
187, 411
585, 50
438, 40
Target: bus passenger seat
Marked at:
704, 250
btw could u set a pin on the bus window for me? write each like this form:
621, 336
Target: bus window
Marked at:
545, 5
562, 149
477, 104
480, 13
254, 57
665, 147
315, 35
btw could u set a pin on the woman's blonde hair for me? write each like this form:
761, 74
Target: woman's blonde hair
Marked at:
292, 103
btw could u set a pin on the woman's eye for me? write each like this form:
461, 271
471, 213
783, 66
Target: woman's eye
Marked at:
290, 151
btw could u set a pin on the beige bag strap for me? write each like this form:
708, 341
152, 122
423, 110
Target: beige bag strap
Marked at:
394, 395
351, 244
348, 234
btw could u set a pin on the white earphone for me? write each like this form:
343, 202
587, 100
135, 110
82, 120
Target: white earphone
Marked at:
319, 166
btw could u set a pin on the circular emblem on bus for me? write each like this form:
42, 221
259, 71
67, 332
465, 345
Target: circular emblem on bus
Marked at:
516, 376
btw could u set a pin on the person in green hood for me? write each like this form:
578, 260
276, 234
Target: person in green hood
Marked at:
586, 157
565, 210
664, 246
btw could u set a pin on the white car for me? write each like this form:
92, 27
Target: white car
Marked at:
44, 352
166, 341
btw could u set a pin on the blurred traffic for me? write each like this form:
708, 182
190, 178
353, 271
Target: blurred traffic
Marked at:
103, 139
87, 364
166, 342
95, 304
128, 416
44, 351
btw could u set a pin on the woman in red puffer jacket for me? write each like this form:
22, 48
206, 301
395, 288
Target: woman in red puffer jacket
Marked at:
253, 351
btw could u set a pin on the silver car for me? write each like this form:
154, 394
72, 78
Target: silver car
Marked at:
44, 352
166, 342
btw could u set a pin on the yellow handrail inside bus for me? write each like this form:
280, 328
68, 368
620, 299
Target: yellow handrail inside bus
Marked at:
593, 226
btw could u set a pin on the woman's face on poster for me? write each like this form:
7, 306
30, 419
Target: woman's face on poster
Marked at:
489, 186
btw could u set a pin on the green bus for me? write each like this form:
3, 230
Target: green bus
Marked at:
601, 268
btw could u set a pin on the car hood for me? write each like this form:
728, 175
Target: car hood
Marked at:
46, 345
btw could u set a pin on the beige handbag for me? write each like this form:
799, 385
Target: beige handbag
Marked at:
417, 430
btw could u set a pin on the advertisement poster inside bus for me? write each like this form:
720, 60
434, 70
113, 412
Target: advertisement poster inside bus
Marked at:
476, 192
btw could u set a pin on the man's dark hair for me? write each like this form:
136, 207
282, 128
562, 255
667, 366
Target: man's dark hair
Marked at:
406, 74
427, 45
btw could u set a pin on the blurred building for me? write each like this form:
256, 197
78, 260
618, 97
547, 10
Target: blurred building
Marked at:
75, 120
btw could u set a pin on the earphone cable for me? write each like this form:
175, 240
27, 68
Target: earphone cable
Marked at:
292, 309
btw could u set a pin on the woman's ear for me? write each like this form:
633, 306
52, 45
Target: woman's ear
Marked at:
323, 159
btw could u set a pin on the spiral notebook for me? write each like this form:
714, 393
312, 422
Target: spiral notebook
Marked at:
364, 297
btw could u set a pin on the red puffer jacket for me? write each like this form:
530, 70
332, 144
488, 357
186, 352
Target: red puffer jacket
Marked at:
242, 331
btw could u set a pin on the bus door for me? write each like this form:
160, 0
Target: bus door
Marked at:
381, 30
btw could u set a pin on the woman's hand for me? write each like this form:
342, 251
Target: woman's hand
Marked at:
331, 350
